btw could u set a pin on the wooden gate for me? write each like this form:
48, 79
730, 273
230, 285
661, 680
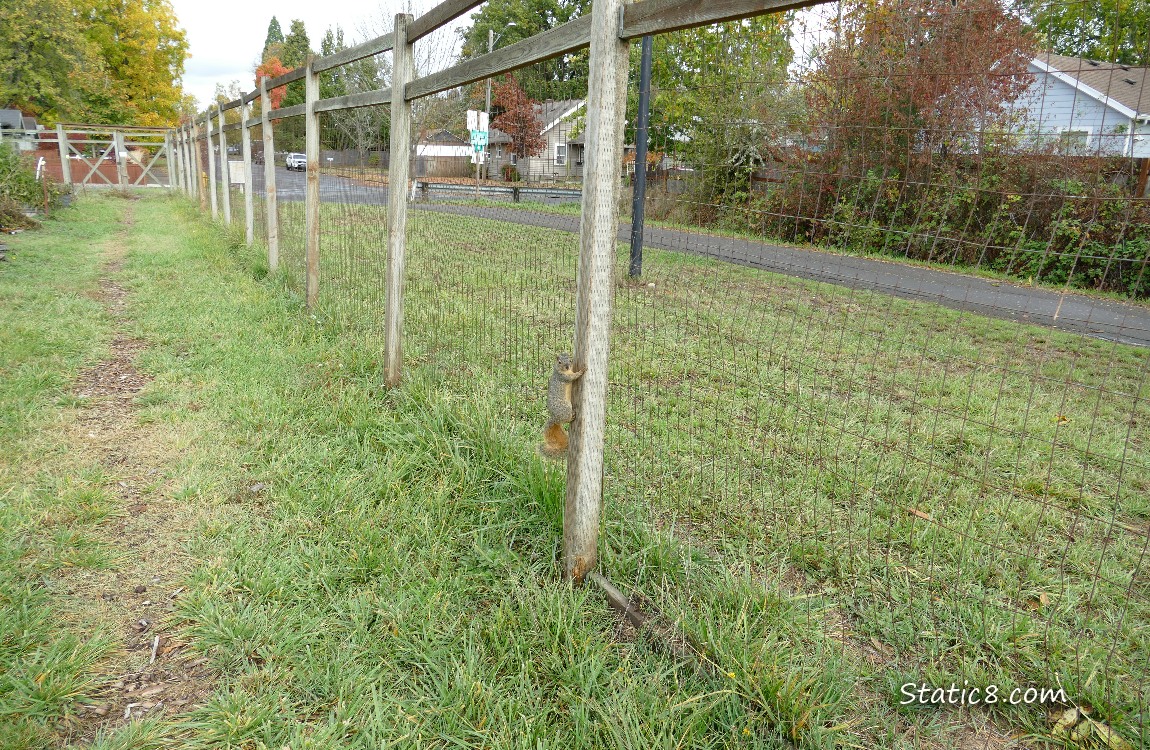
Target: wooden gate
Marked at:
107, 155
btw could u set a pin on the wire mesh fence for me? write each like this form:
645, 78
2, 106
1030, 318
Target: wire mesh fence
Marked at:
878, 408
946, 492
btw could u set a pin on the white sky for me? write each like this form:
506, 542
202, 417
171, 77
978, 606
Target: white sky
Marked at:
225, 38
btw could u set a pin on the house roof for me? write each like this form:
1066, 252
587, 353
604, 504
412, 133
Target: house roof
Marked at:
1127, 85
550, 113
11, 119
443, 138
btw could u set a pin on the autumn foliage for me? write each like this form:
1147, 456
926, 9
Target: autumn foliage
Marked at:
272, 68
905, 80
519, 118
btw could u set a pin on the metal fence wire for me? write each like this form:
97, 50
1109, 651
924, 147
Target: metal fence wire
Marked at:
878, 413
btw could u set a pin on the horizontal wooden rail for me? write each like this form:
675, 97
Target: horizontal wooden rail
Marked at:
371, 47
354, 101
232, 126
257, 120
440, 15
638, 19
83, 127
557, 41
280, 114
251, 96
660, 16
286, 78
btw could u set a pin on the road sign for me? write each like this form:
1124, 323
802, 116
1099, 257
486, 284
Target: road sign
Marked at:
479, 138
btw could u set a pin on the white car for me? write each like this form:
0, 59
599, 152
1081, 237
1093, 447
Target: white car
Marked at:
296, 161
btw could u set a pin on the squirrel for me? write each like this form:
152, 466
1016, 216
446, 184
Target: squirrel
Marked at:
559, 407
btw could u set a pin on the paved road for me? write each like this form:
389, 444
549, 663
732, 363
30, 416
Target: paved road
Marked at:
1112, 321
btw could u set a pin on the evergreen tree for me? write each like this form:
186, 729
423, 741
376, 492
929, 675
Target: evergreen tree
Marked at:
273, 44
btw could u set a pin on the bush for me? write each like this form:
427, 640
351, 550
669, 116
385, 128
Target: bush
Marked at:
20, 190
1041, 217
510, 173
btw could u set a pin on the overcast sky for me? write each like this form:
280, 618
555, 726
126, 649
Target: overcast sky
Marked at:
225, 38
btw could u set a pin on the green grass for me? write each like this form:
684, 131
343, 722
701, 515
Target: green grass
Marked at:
51, 501
899, 471
394, 580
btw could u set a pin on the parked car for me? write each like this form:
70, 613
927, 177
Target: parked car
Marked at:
296, 161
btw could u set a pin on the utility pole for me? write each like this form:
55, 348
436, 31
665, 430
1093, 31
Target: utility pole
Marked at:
639, 195
487, 107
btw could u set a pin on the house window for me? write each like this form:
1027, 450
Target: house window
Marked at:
514, 158
1074, 140
560, 154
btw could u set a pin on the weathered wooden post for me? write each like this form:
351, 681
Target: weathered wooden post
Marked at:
225, 175
211, 163
185, 170
192, 149
402, 72
172, 161
65, 162
606, 110
249, 207
197, 158
270, 210
311, 207
121, 159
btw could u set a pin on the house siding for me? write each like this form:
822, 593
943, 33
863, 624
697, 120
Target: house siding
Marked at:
1051, 106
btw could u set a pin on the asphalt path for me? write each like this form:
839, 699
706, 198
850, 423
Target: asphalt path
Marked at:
1104, 319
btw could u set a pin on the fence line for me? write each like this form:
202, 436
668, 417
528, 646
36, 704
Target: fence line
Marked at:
775, 415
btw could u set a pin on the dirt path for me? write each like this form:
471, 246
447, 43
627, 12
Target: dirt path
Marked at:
149, 672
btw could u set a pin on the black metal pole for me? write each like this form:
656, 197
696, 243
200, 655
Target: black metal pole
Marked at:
639, 199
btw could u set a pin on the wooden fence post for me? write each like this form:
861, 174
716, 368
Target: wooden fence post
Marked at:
270, 210
402, 72
65, 152
249, 207
182, 151
197, 160
191, 177
121, 160
606, 111
172, 161
225, 174
311, 207
211, 163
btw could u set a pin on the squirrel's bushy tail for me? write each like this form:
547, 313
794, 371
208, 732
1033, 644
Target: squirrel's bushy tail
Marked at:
554, 443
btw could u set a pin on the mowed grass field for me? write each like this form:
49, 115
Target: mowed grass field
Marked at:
832, 493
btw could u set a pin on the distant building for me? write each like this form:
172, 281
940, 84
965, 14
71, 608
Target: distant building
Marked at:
1086, 107
18, 128
441, 153
562, 156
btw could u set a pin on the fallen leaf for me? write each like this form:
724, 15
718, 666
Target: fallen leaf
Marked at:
1112, 739
1066, 720
919, 513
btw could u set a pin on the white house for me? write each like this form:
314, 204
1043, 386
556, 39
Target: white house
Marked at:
1087, 107
562, 156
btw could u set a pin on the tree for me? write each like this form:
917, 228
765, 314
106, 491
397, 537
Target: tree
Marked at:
272, 68
45, 59
564, 77
905, 79
362, 128
1116, 31
518, 117
295, 53
114, 61
297, 46
273, 42
144, 51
